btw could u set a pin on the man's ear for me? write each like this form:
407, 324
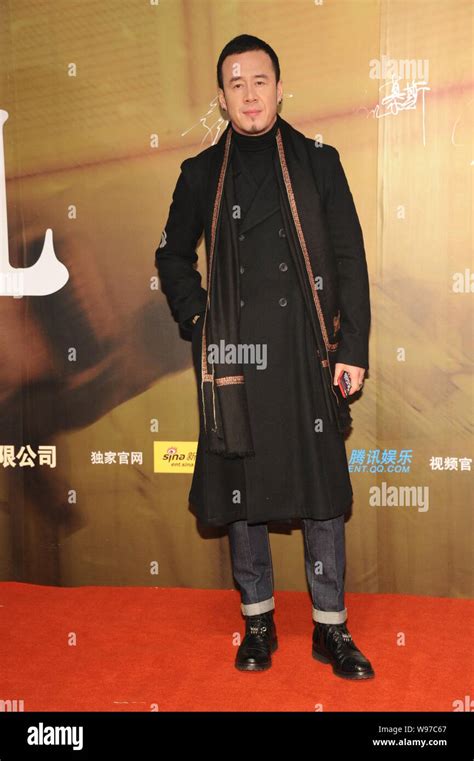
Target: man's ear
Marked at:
221, 97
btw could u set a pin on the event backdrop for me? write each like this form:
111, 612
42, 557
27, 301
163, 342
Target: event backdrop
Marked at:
101, 102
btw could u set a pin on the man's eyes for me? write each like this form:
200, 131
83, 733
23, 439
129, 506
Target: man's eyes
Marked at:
259, 82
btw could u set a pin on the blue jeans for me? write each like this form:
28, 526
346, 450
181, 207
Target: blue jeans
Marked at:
324, 554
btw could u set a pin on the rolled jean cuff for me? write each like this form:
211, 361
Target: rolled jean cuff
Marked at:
329, 616
254, 608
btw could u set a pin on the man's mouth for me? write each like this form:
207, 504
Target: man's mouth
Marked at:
251, 113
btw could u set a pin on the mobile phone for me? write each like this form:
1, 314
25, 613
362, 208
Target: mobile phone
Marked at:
344, 383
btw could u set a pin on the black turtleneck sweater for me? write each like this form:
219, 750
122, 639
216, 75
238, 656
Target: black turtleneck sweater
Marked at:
256, 151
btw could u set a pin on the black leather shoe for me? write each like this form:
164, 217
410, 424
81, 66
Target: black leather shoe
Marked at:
332, 643
260, 641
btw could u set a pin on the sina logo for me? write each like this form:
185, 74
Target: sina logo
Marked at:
172, 454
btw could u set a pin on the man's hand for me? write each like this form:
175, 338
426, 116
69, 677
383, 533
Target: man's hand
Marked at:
356, 373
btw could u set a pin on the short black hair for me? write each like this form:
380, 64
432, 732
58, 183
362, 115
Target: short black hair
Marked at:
242, 44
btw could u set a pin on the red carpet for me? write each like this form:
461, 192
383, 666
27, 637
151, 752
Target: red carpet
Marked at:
142, 646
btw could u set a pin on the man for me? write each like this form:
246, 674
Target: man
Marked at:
285, 312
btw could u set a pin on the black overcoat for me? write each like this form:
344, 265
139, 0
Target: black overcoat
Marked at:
300, 466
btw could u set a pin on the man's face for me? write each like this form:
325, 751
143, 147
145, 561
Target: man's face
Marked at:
250, 92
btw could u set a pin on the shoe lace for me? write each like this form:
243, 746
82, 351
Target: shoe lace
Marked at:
342, 635
257, 625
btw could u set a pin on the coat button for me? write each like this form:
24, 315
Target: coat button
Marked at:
282, 233
282, 302
283, 266
241, 236
242, 270
242, 302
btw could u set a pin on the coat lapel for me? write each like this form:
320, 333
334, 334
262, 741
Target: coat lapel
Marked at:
258, 203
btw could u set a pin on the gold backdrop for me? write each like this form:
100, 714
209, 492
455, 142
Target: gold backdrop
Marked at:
104, 102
